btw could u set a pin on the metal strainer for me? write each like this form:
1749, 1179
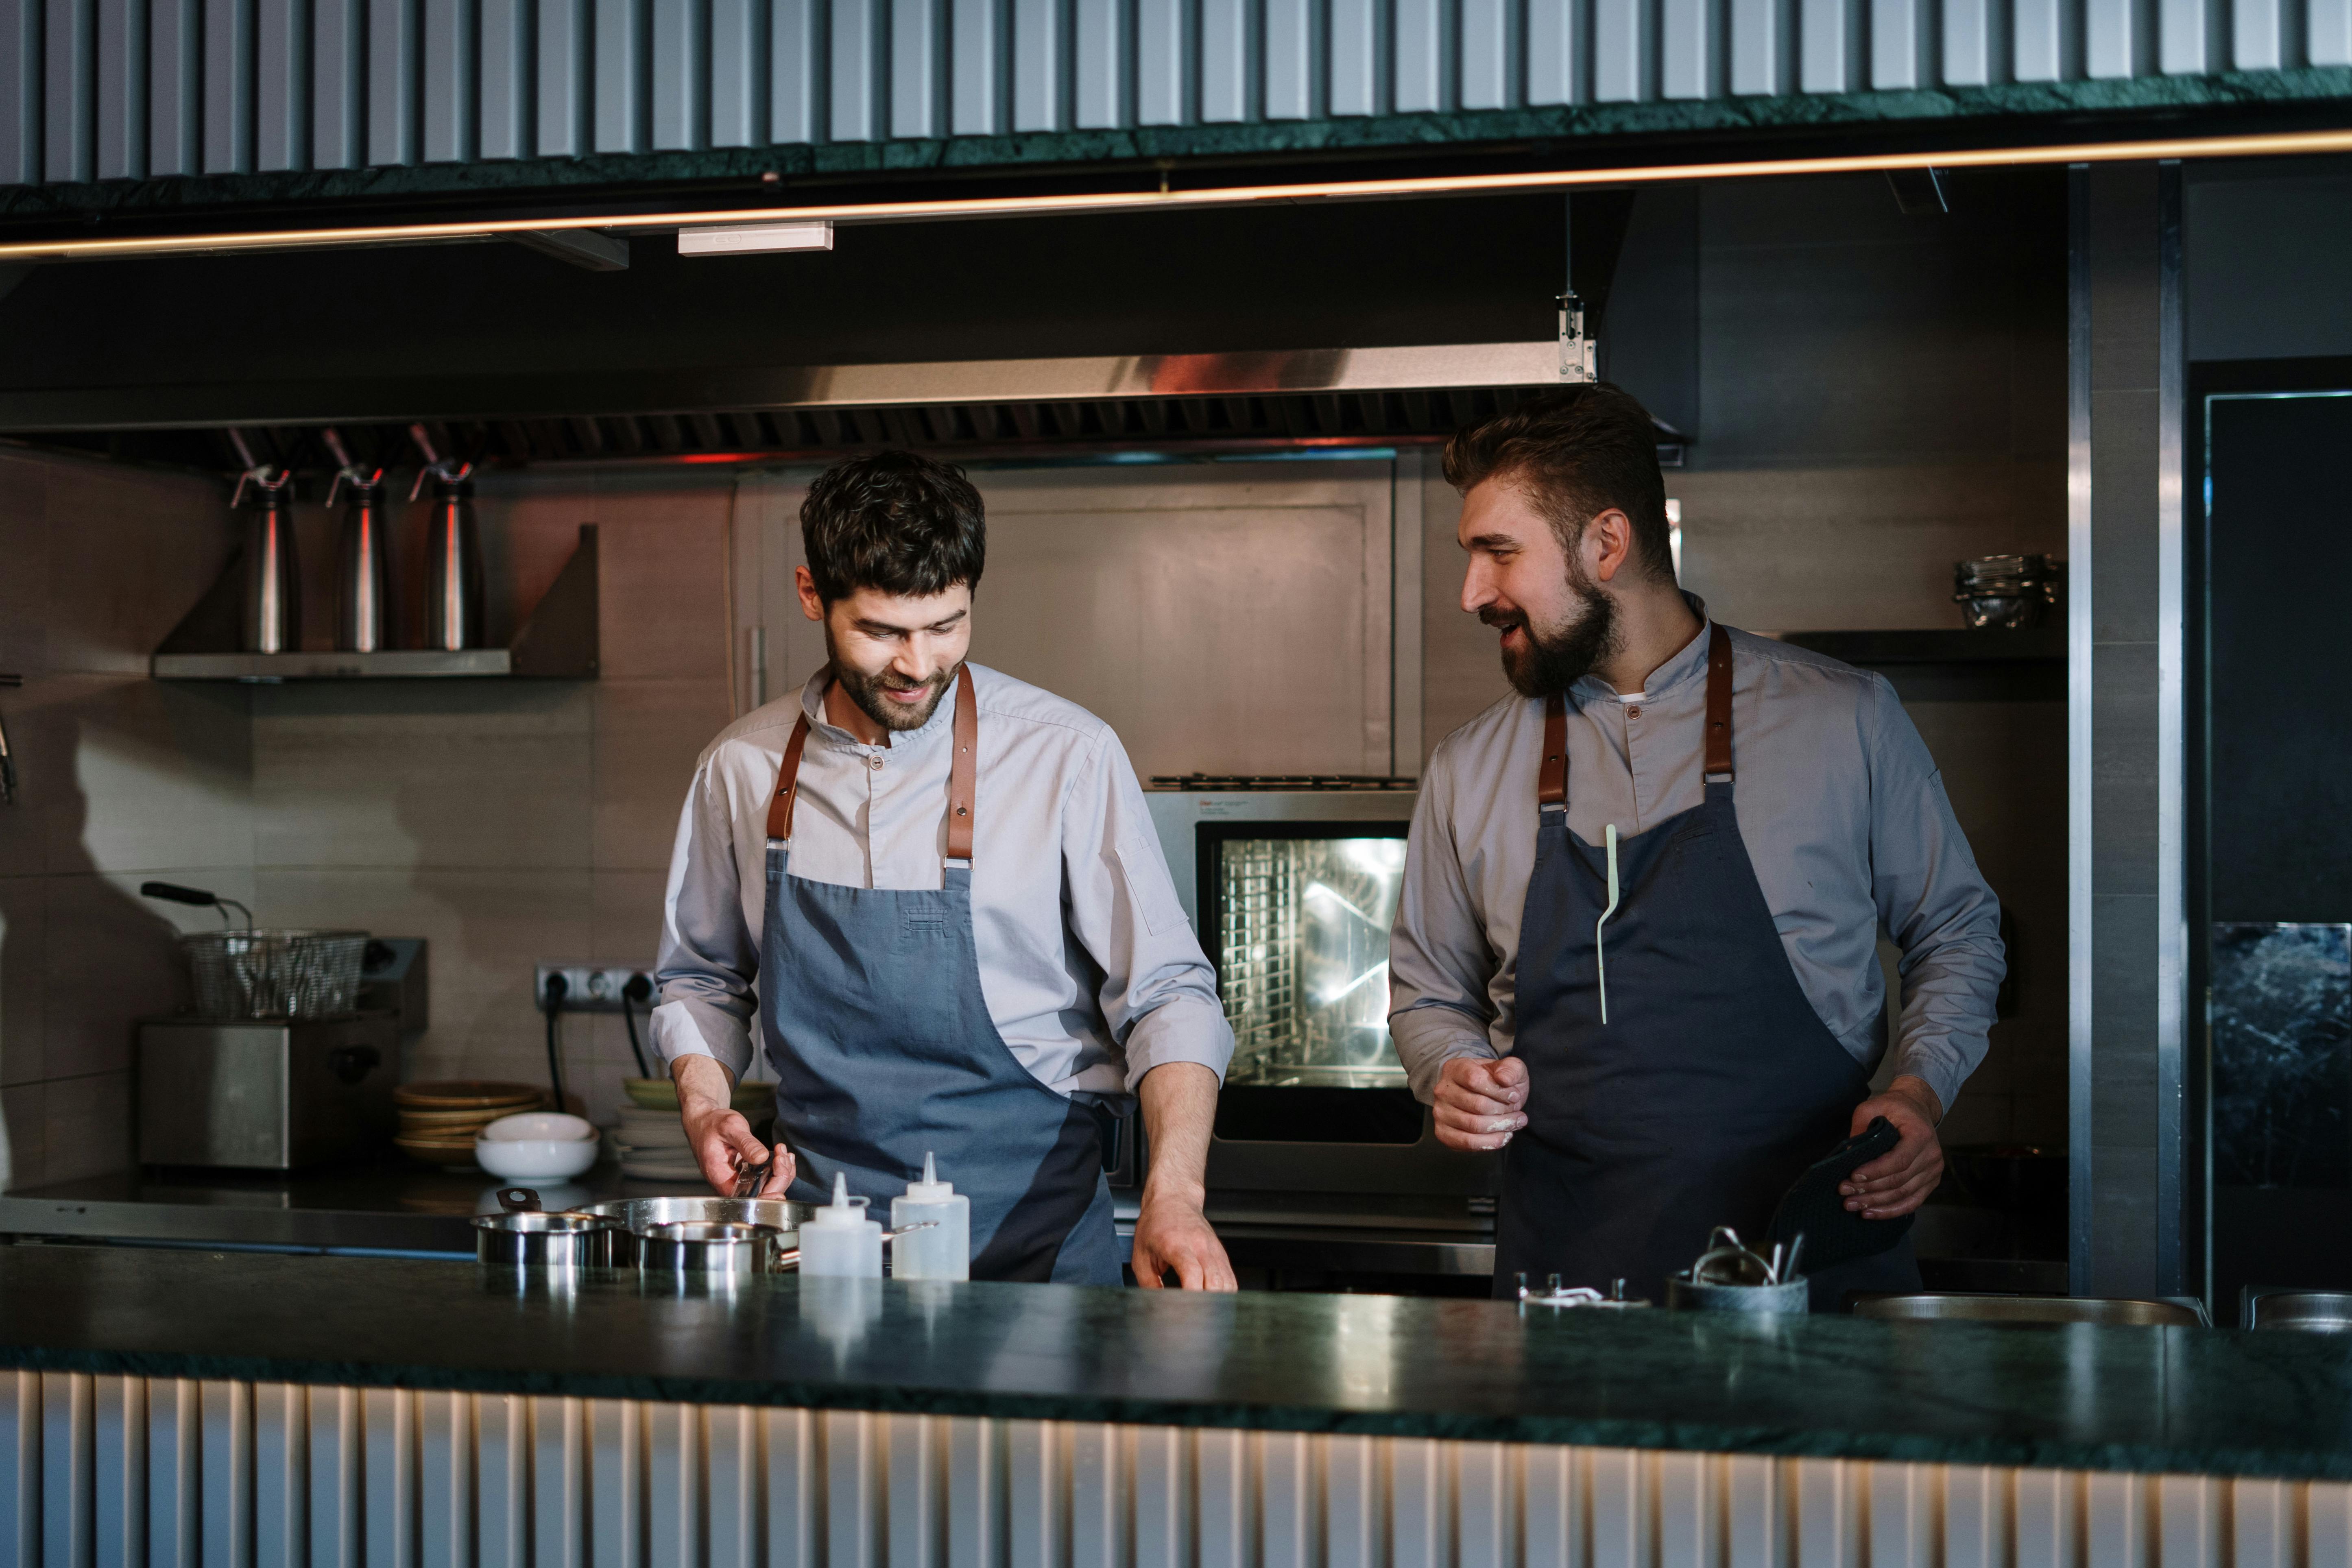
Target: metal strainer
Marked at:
266, 974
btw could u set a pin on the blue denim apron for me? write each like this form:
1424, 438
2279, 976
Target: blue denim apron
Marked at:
1714, 1083
875, 1021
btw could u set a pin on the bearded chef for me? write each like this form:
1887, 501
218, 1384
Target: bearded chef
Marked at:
932, 896
1636, 949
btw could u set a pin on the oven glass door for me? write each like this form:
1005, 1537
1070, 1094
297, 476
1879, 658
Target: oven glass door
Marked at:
1296, 917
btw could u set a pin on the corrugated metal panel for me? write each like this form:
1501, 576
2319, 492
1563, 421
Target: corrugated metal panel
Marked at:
92, 1468
123, 88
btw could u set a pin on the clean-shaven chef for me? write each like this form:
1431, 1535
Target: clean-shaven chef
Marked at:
1636, 945
939, 893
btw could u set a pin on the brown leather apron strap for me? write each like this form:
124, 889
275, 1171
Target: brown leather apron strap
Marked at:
962, 773
1718, 704
1551, 784
788, 778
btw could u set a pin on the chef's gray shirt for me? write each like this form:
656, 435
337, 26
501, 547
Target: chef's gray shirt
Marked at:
1842, 810
1090, 968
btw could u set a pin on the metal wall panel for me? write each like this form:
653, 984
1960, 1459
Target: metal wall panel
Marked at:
282, 85
1164, 61
121, 90
69, 132
124, 89
20, 91
229, 107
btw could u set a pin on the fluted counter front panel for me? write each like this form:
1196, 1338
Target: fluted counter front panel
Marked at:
110, 1469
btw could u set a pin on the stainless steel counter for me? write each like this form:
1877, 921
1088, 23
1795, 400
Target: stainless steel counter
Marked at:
396, 1207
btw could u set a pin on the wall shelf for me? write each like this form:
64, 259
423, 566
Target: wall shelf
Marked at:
1960, 645
557, 643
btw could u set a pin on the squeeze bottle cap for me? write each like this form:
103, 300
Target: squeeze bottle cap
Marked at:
931, 1189
844, 1209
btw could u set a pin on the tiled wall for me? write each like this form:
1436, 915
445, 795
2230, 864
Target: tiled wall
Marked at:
506, 822
1879, 394
513, 822
122, 778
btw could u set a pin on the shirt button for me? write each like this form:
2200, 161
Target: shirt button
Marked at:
1632, 712
874, 762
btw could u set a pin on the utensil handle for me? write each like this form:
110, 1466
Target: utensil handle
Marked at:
177, 894
518, 1200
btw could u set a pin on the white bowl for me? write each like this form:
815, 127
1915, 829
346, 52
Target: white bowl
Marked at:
539, 1126
535, 1159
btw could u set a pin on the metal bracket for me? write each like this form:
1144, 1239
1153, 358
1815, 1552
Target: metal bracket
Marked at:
1579, 357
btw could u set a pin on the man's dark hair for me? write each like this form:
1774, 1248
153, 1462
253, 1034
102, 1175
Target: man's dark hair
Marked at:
1576, 452
899, 521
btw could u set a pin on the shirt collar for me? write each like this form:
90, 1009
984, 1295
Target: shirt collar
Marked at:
832, 734
1688, 663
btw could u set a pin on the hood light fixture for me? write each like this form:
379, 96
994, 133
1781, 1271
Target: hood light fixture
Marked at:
744, 238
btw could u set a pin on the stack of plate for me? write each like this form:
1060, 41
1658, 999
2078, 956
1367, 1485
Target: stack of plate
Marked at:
652, 1140
438, 1120
653, 1146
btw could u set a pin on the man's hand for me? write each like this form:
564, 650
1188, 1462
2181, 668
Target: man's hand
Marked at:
1895, 1184
1481, 1101
721, 1139
1171, 1235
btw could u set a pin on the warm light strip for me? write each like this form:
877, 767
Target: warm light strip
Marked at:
2274, 144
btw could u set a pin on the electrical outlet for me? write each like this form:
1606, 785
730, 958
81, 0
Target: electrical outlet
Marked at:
592, 988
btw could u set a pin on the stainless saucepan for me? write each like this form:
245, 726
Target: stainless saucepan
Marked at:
552, 1241
707, 1246
635, 1217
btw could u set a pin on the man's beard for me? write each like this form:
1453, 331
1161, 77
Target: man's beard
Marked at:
1554, 660
866, 690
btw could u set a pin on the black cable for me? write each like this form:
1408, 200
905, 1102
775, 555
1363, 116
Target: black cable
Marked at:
638, 989
557, 989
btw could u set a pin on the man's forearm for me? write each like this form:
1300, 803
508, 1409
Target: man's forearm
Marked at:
701, 1080
1179, 1107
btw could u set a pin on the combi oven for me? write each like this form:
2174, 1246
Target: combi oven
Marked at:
1292, 886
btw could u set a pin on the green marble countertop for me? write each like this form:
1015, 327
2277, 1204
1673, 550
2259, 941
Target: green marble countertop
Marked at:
2177, 1400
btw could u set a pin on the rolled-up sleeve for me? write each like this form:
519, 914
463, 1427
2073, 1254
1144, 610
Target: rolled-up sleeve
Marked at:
1158, 990
1440, 963
709, 960
1935, 905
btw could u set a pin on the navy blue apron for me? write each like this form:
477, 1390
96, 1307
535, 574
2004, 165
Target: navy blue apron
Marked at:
874, 1018
1714, 1082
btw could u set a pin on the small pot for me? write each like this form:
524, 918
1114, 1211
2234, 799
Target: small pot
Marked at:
637, 1216
709, 1247
1683, 1295
532, 1240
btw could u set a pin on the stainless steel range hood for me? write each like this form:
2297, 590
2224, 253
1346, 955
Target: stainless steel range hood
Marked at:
977, 408
1294, 371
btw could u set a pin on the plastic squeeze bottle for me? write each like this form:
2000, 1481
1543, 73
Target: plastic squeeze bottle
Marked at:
838, 1241
942, 1252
